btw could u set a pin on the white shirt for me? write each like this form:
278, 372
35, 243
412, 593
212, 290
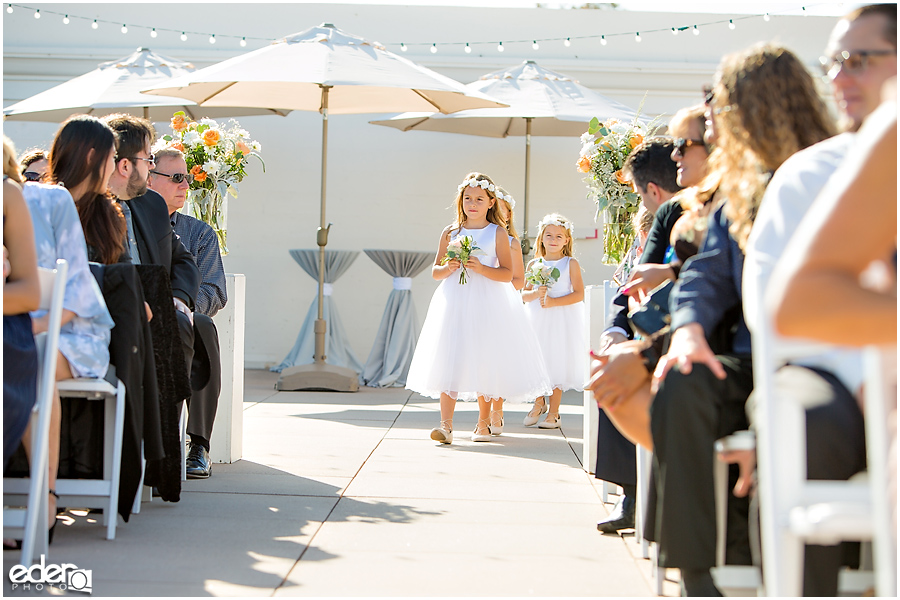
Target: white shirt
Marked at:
788, 197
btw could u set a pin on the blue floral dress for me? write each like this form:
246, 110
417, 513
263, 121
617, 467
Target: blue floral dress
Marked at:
84, 340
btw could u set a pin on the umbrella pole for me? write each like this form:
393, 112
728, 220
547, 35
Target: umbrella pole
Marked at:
526, 242
322, 235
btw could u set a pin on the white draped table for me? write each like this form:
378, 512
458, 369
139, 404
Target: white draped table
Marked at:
395, 342
337, 347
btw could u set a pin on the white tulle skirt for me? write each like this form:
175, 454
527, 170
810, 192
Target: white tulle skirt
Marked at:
475, 341
560, 332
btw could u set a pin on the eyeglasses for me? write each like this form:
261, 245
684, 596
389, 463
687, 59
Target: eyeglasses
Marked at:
176, 177
850, 62
31, 176
151, 160
682, 144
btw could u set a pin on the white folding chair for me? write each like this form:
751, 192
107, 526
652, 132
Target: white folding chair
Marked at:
30, 523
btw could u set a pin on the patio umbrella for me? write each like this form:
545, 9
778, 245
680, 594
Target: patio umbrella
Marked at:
115, 86
541, 102
327, 70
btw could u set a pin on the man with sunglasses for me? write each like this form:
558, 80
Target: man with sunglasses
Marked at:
861, 56
170, 178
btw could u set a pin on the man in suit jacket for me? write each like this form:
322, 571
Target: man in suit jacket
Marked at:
150, 237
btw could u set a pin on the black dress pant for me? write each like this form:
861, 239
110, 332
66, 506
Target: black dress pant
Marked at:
206, 379
689, 413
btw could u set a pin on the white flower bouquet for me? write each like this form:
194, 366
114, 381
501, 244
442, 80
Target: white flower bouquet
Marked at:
540, 273
461, 248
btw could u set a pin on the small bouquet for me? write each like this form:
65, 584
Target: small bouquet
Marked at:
461, 248
539, 273
605, 146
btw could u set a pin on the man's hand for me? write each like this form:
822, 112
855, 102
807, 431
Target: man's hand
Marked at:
180, 306
688, 345
645, 278
746, 460
609, 338
617, 375
148, 311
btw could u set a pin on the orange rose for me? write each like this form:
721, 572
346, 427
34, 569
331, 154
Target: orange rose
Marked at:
210, 137
178, 146
178, 123
242, 148
198, 173
620, 177
636, 139
584, 164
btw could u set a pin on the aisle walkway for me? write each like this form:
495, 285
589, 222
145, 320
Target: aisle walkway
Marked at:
345, 495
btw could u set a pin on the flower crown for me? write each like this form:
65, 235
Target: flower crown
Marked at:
508, 198
482, 183
554, 221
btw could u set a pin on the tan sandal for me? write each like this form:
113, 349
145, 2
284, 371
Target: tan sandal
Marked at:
535, 413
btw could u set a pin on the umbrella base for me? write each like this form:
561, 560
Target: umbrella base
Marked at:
318, 377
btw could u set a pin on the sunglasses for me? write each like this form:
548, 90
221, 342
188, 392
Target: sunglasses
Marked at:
176, 177
31, 176
151, 160
851, 63
708, 96
682, 144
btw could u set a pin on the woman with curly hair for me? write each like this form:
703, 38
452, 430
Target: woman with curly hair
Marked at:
764, 108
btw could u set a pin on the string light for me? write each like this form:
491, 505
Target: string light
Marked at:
402, 47
153, 33
468, 48
500, 47
535, 45
124, 29
95, 25
730, 24
804, 13
37, 14
9, 8
66, 20
434, 48
766, 17
567, 43
637, 37
212, 38
243, 42
602, 40
696, 30
674, 31
183, 36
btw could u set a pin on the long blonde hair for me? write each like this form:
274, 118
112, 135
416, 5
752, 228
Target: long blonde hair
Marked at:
493, 214
10, 166
510, 221
568, 249
768, 109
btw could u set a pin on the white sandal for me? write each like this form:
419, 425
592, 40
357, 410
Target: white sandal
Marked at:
534, 414
496, 427
482, 431
444, 433
551, 422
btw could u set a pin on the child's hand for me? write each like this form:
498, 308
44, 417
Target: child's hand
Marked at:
453, 265
546, 301
473, 265
542, 293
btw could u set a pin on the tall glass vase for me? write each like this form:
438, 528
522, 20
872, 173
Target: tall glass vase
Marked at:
211, 207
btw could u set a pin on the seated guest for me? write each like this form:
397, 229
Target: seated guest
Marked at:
170, 178
21, 294
34, 165
697, 395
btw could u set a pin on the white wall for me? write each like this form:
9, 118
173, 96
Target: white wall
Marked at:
386, 188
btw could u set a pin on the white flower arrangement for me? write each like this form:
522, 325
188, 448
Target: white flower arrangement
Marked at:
508, 198
540, 274
482, 183
548, 220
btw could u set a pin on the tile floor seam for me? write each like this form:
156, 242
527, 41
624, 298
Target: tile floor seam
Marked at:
340, 497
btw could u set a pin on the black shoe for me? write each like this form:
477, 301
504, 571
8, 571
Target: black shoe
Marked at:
622, 517
198, 464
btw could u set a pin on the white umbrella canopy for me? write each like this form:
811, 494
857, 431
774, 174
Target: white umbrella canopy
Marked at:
330, 71
541, 102
114, 87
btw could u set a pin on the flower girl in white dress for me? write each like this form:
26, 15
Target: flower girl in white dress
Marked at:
556, 312
473, 345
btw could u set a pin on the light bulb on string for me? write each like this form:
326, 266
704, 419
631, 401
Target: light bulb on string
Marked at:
637, 37
567, 42
402, 47
674, 31
37, 14
243, 41
212, 38
124, 29
434, 48
183, 36
95, 25
696, 30
9, 8
804, 13
535, 45
153, 33
468, 48
731, 24
500, 47
602, 40
66, 20
766, 17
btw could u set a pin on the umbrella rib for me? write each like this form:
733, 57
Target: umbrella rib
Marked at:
430, 101
219, 91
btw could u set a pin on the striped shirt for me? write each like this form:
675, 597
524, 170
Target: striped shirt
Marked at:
201, 241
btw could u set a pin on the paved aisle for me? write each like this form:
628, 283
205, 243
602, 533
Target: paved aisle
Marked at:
345, 495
